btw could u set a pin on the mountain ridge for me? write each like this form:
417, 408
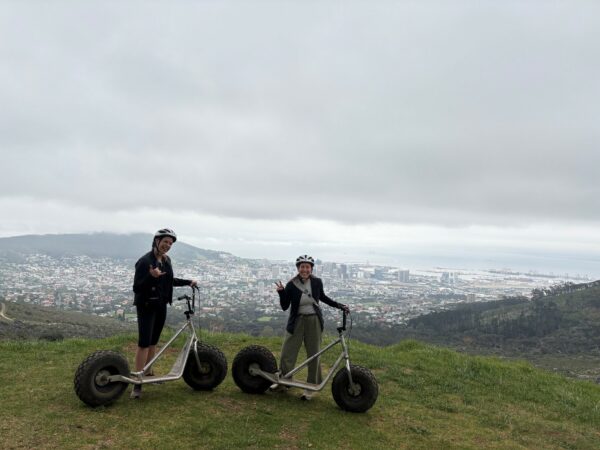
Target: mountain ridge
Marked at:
128, 246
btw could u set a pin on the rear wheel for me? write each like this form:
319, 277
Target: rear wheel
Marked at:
91, 378
359, 396
212, 369
253, 356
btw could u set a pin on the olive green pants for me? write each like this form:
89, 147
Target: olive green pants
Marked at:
308, 330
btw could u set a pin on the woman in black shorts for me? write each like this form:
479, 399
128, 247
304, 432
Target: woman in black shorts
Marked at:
153, 287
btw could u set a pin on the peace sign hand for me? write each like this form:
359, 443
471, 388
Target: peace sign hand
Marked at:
279, 286
156, 272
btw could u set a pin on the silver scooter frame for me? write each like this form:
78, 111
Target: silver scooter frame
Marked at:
176, 371
287, 380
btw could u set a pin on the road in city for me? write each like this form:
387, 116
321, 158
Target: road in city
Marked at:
2, 309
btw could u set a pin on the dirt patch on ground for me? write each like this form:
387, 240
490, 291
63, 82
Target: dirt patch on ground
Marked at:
231, 405
288, 436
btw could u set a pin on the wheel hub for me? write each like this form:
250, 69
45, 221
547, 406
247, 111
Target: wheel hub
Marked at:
101, 378
253, 369
204, 368
355, 389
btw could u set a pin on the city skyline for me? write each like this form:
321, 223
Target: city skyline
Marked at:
409, 134
112, 248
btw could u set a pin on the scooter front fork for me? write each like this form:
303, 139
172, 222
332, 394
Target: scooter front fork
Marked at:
354, 389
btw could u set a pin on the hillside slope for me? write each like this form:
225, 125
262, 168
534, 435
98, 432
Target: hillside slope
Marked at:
24, 321
429, 398
560, 331
572, 315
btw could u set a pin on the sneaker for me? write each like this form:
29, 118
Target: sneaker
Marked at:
136, 392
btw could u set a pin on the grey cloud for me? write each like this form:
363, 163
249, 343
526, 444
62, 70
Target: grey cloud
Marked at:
452, 114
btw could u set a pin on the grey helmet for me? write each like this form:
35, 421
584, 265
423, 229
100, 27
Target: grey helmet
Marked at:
165, 232
305, 259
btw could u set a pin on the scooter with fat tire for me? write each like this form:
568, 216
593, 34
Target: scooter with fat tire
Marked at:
104, 375
354, 388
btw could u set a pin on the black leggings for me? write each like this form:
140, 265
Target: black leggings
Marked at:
151, 320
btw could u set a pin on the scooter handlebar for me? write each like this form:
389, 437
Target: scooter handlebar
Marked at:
344, 316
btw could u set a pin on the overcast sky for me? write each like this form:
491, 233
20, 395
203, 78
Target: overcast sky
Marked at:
461, 133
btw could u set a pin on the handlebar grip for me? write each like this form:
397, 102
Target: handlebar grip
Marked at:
183, 297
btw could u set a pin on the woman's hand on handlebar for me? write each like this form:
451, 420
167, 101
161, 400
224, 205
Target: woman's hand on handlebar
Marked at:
344, 308
193, 283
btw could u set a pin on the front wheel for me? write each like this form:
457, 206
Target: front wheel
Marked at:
361, 395
91, 378
212, 369
253, 356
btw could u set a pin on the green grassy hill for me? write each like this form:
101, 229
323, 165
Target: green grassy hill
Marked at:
429, 398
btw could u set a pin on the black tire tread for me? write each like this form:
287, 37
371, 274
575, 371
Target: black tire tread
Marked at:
217, 358
82, 385
245, 357
368, 396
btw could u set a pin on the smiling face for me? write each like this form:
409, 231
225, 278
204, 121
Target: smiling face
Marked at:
304, 270
164, 245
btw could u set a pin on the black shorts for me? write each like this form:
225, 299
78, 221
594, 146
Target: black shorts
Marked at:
151, 320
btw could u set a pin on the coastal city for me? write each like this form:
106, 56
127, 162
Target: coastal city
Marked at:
244, 290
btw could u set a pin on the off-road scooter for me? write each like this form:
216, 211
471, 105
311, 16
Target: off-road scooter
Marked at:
104, 375
354, 388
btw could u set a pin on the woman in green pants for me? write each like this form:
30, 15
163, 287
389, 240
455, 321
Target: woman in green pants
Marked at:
305, 323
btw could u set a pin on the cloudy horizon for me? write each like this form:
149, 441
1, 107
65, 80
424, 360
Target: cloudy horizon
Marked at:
452, 133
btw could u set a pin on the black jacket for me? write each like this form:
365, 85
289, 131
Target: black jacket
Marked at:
150, 289
291, 296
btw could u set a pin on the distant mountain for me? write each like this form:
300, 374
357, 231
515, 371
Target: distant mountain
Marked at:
96, 245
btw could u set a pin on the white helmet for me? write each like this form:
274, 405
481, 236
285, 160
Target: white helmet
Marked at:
165, 232
305, 259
